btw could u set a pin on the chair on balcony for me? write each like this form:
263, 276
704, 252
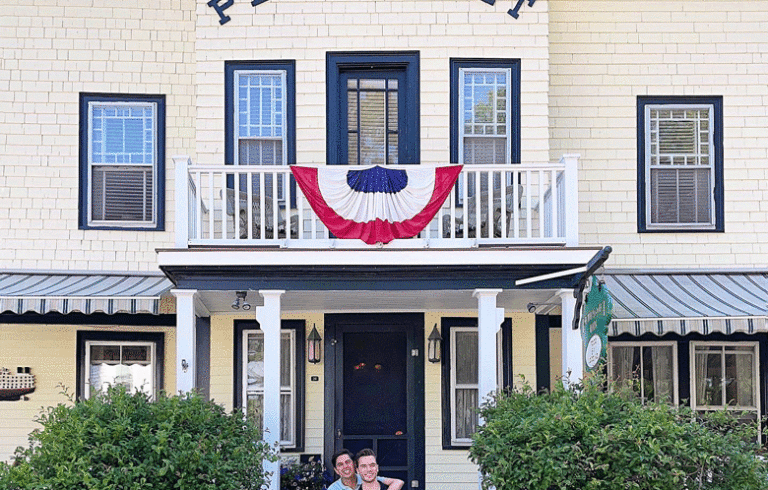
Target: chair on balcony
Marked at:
269, 216
471, 203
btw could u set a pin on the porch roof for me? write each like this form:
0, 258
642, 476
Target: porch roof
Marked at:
688, 301
85, 292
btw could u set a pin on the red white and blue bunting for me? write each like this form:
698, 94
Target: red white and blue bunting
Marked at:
376, 204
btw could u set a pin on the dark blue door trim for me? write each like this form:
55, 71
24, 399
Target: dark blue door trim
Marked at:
337, 64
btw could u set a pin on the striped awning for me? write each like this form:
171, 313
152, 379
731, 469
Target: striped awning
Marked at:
85, 293
683, 303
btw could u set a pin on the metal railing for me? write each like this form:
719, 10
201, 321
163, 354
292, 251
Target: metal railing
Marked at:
524, 204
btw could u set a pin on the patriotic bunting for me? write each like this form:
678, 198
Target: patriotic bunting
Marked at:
373, 203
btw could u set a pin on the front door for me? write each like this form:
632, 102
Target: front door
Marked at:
374, 373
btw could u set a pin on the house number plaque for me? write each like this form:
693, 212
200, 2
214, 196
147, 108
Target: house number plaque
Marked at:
219, 6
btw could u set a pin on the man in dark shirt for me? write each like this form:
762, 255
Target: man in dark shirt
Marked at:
368, 470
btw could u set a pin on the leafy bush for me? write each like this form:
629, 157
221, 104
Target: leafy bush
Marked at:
124, 441
587, 438
304, 476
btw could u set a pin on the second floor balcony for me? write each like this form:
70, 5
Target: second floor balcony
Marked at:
261, 206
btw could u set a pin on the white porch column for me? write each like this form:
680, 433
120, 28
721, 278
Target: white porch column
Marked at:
571, 200
572, 350
489, 319
181, 200
268, 317
186, 347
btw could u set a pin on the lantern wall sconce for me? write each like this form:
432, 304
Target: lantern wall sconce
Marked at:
314, 346
434, 345
240, 301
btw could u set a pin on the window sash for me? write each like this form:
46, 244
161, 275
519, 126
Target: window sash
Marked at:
612, 375
121, 368
464, 396
272, 142
679, 185
479, 139
722, 349
122, 185
253, 393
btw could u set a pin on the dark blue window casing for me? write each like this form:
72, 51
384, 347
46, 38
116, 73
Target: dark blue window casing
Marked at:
644, 221
231, 103
341, 67
122, 162
513, 65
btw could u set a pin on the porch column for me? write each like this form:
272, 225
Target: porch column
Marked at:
268, 317
489, 319
573, 355
571, 193
186, 347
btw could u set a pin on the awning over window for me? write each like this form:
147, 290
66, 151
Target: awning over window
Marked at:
683, 303
85, 293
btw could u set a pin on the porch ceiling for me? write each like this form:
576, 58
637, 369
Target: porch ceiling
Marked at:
387, 301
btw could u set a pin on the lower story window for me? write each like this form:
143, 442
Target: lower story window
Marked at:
253, 386
130, 359
464, 384
649, 367
724, 376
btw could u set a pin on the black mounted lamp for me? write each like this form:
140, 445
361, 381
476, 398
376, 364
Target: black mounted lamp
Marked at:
433, 345
314, 340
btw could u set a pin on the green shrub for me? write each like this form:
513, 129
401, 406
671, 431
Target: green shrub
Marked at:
587, 438
123, 441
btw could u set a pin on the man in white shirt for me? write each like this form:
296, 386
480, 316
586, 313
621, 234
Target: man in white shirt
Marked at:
344, 466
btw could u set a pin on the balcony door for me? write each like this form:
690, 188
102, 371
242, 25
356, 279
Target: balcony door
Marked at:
373, 108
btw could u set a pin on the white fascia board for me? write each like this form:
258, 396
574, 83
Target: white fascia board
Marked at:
431, 257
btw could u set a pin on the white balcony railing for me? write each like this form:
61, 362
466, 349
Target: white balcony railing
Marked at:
516, 204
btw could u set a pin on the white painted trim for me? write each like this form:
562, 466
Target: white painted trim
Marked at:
572, 344
454, 440
675, 374
755, 378
186, 348
377, 256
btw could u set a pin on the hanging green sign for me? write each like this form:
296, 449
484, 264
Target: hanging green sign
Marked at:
598, 311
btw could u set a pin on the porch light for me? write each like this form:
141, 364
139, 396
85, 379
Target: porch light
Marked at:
433, 345
313, 346
240, 301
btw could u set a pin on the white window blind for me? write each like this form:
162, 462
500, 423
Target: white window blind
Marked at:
122, 152
680, 166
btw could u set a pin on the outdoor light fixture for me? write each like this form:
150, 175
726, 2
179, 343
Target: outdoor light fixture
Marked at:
240, 301
433, 345
313, 346
532, 306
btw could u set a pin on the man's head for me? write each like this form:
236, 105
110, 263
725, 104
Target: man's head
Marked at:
366, 465
343, 464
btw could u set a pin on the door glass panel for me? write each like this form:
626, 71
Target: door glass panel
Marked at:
372, 120
374, 370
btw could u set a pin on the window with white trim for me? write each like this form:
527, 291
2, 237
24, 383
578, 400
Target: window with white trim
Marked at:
649, 367
484, 109
122, 153
253, 383
120, 363
725, 375
681, 163
260, 117
464, 384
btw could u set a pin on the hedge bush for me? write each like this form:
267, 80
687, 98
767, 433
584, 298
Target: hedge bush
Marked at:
587, 438
123, 441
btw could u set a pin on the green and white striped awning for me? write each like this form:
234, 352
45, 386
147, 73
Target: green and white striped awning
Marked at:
65, 292
683, 303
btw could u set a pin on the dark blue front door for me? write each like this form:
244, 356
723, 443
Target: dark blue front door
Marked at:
378, 396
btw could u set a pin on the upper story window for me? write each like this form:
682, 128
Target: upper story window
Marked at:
680, 164
260, 112
485, 111
122, 154
650, 367
373, 108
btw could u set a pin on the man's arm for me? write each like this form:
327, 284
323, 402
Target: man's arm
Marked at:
392, 483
